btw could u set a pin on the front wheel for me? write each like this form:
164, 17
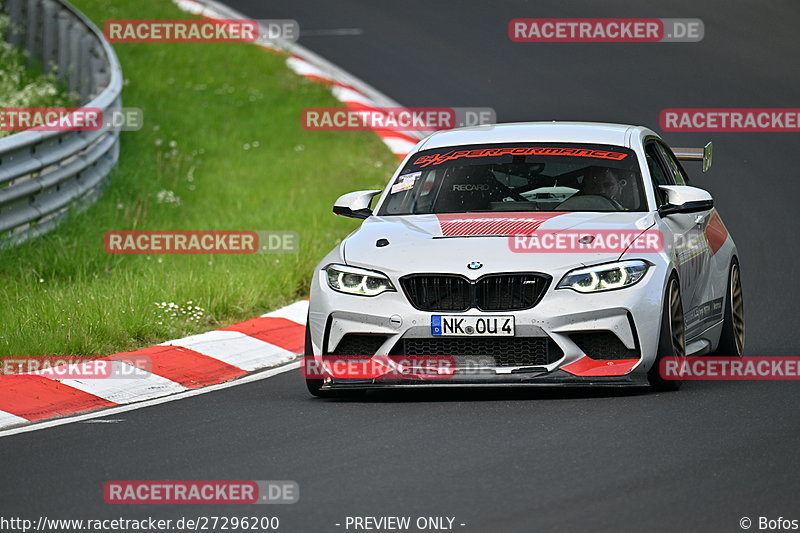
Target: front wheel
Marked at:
731, 339
314, 386
671, 339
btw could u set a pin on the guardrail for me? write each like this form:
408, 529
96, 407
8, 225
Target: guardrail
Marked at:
45, 174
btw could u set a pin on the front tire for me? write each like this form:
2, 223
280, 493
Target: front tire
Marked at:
671, 338
314, 386
731, 339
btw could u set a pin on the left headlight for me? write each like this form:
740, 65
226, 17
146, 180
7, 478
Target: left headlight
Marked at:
605, 277
359, 281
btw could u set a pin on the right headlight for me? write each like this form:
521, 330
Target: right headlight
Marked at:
358, 281
605, 277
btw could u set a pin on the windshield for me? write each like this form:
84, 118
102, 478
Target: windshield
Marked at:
518, 177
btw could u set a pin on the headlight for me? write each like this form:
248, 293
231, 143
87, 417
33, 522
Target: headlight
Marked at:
353, 280
604, 277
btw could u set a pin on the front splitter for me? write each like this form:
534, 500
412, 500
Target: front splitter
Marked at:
544, 379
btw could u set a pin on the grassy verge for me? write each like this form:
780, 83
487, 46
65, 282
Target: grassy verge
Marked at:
222, 149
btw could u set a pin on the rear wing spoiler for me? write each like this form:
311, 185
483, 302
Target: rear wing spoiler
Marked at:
703, 154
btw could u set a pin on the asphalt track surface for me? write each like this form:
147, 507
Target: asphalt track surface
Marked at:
505, 460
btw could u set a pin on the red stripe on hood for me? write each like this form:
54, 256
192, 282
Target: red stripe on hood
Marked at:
501, 224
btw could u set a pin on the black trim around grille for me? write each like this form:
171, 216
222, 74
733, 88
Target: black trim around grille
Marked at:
503, 351
513, 291
603, 346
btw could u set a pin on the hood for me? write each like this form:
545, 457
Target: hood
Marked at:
449, 242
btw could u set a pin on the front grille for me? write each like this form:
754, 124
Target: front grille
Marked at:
493, 292
441, 292
505, 351
355, 344
508, 292
603, 346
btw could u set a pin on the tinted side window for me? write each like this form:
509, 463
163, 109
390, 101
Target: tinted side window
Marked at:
675, 169
658, 173
657, 170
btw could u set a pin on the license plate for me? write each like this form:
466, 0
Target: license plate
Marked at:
467, 326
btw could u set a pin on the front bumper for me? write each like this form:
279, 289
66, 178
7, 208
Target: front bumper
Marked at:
632, 314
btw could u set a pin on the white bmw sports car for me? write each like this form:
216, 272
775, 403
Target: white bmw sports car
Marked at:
526, 254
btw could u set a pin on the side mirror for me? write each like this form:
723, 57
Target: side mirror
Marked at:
354, 204
685, 199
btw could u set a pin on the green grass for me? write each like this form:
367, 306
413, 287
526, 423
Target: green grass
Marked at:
203, 105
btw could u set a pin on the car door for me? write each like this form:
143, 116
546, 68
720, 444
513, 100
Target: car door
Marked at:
687, 244
707, 301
